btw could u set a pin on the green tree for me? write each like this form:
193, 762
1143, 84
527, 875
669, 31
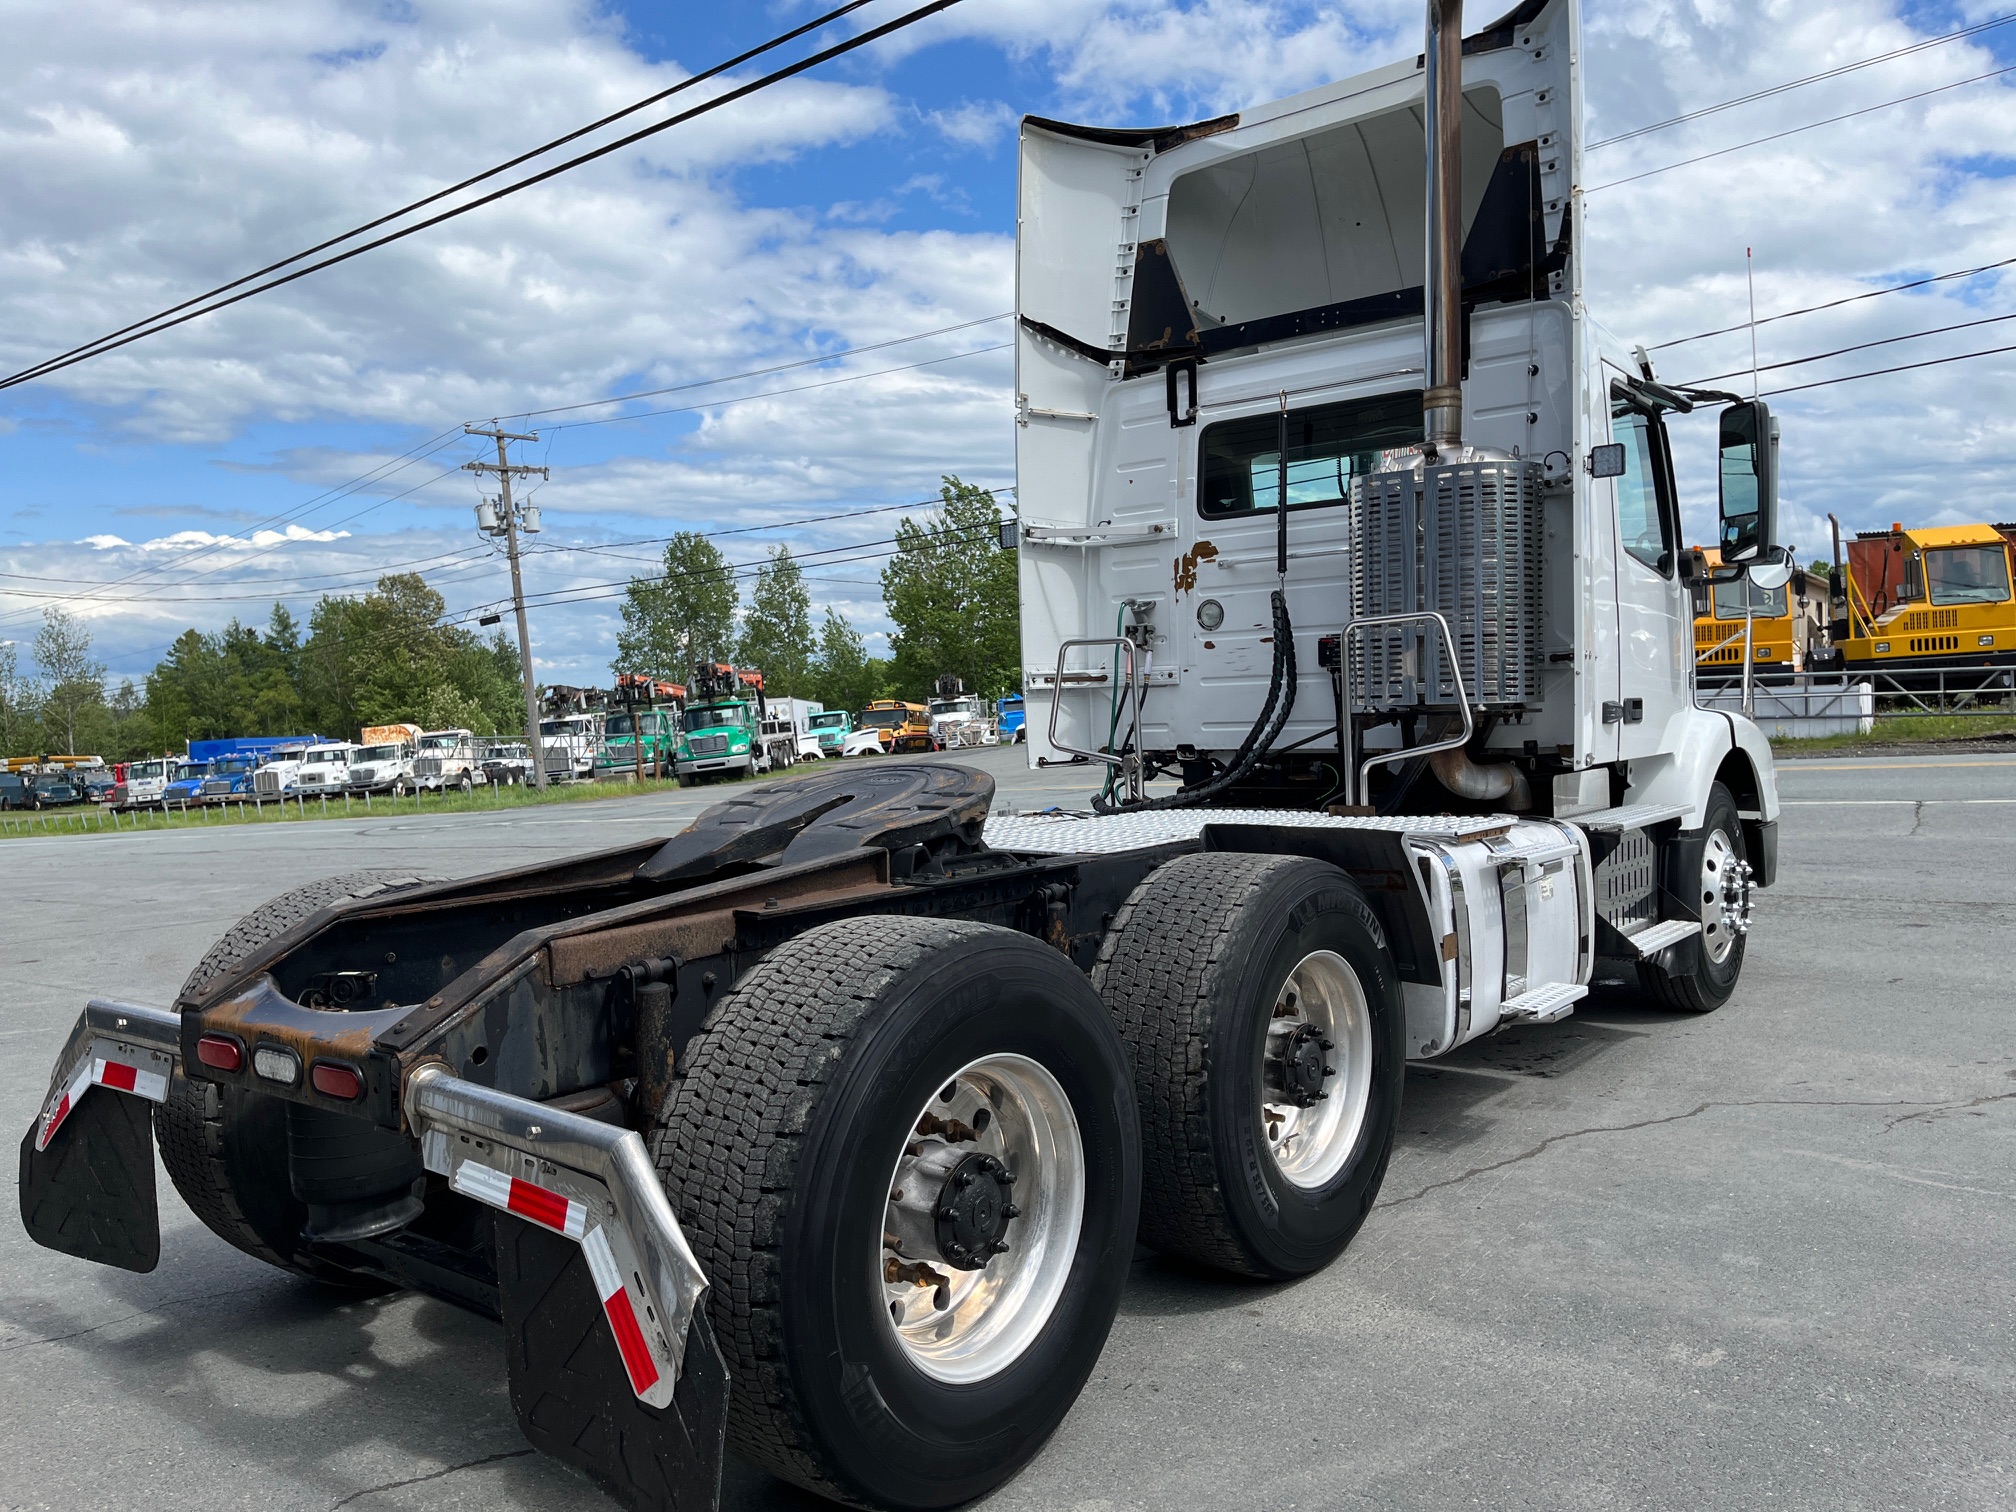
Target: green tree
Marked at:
386, 658
685, 614
845, 677
777, 629
20, 706
952, 592
75, 680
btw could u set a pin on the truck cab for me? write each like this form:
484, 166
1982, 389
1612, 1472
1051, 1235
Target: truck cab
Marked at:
185, 786
386, 768
1783, 624
445, 759
567, 745
619, 756
143, 783
1340, 498
1010, 719
1910, 603
324, 768
830, 728
958, 718
718, 738
230, 779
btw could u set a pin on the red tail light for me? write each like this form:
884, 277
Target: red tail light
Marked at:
221, 1051
334, 1079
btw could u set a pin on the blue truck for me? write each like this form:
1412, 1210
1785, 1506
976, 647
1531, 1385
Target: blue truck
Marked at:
1010, 717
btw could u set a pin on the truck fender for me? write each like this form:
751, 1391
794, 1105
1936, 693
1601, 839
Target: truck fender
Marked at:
1691, 755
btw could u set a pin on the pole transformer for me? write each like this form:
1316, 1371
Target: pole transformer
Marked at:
507, 526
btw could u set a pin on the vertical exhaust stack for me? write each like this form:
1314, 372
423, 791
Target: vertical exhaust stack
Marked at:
1442, 404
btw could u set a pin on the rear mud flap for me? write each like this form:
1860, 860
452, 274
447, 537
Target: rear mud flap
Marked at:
572, 1399
91, 1192
87, 1162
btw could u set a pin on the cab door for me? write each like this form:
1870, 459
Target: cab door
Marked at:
1655, 641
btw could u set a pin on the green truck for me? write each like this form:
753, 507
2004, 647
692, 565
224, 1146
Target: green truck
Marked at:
619, 757
721, 731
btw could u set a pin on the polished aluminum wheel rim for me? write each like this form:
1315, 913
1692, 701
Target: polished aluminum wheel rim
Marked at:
1311, 1142
1725, 897
967, 1325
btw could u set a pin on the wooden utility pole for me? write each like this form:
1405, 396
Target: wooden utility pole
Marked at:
508, 528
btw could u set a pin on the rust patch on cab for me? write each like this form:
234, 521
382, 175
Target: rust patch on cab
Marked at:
1186, 565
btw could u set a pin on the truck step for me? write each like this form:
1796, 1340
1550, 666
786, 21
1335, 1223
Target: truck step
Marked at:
1631, 816
1542, 1005
1656, 937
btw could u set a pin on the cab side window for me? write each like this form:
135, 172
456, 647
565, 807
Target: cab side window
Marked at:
1646, 524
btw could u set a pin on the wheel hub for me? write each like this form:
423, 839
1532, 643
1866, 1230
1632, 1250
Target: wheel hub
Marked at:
1316, 1069
973, 1259
1301, 1065
1727, 896
973, 1212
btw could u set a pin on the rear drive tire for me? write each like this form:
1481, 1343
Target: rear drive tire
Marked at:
225, 1148
1706, 870
814, 1094
1262, 1009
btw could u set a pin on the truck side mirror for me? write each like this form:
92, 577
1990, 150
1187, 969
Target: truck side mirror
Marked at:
1749, 481
1772, 570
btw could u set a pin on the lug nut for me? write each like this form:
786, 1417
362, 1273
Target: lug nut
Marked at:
1328, 1044
1011, 1211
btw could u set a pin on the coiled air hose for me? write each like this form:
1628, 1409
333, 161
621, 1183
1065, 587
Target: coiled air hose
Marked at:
1259, 740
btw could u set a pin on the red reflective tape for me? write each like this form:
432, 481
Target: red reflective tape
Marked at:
630, 1341
56, 1121
538, 1204
118, 1077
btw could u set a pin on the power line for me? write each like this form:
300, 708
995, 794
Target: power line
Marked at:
341, 491
448, 438
1778, 136
1835, 304
108, 342
1860, 346
782, 367
1908, 367
1815, 78
156, 324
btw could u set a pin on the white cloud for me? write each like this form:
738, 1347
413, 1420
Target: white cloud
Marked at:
976, 123
142, 162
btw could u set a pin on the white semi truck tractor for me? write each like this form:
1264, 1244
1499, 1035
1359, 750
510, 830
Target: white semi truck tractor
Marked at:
824, 1130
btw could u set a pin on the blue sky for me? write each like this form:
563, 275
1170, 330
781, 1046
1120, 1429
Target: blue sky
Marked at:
142, 162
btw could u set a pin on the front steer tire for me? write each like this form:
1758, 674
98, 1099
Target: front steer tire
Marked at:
226, 1149
779, 1143
1194, 969
1699, 975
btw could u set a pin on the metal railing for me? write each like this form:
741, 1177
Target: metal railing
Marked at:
1127, 762
1357, 776
1970, 690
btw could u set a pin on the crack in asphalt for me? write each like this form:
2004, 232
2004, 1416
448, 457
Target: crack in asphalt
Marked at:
78, 1333
432, 1475
1650, 1123
1938, 1108
1917, 819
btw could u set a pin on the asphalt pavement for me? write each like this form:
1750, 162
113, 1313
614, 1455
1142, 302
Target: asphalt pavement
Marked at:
1760, 1258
